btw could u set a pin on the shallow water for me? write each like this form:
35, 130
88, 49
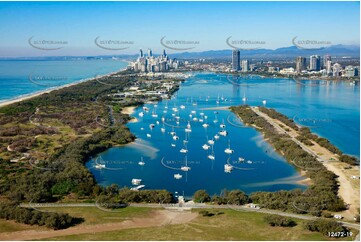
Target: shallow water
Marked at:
330, 110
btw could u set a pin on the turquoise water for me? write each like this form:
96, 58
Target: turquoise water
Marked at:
331, 110
18, 78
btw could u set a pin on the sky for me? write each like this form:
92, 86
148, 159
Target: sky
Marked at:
204, 25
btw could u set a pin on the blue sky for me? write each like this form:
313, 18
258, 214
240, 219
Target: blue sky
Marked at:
145, 23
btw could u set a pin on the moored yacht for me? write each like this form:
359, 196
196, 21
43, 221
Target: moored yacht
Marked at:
228, 168
136, 181
178, 176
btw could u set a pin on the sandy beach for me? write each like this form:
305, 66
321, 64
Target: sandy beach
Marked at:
130, 111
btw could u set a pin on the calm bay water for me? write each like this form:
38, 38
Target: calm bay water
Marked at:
18, 78
329, 109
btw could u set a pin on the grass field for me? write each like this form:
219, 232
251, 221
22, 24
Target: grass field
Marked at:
11, 226
231, 225
93, 215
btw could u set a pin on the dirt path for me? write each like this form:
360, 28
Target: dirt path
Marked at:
157, 218
346, 190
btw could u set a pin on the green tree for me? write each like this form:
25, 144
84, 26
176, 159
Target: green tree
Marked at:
201, 196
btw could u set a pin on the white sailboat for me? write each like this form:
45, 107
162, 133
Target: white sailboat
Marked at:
211, 156
186, 167
184, 150
223, 133
222, 125
99, 166
99, 163
229, 150
141, 162
172, 133
205, 147
178, 176
136, 181
240, 159
154, 114
215, 119
205, 125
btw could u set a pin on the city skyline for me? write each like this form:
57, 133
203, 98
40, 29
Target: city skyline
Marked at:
146, 25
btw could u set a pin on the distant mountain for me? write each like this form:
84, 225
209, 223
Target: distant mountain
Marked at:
284, 52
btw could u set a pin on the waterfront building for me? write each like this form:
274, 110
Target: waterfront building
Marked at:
245, 65
300, 64
315, 63
236, 60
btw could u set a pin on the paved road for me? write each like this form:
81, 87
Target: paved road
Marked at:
184, 207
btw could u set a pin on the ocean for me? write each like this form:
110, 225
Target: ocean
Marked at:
24, 77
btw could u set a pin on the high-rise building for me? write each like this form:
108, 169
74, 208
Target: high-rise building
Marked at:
236, 60
336, 69
325, 59
300, 64
152, 63
244, 65
315, 63
329, 67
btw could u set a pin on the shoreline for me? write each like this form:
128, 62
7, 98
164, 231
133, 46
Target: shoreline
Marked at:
129, 111
347, 191
28, 96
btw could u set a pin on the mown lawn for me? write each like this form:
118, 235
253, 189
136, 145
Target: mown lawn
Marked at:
232, 225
